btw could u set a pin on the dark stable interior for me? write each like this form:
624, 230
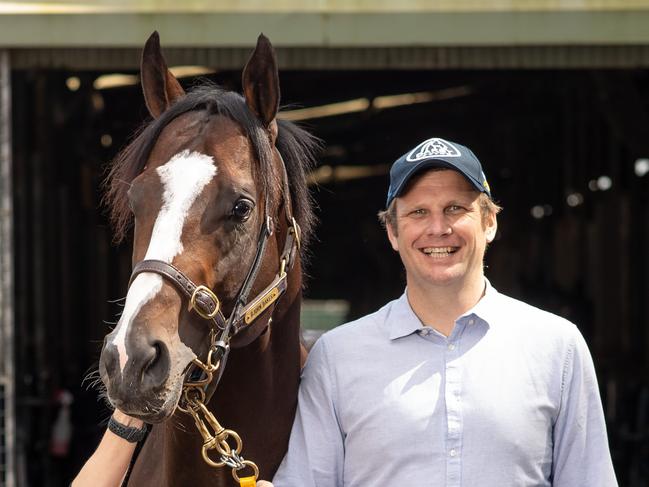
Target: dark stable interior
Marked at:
560, 149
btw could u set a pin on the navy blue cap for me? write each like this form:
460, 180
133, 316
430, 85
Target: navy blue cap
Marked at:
436, 152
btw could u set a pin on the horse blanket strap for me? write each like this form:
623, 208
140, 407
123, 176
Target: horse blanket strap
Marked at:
201, 298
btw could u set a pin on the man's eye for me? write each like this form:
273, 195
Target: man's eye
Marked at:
454, 208
242, 209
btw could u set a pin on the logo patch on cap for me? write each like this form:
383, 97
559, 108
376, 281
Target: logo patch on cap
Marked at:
433, 148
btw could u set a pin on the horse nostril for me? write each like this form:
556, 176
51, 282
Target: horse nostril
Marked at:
109, 361
154, 352
156, 371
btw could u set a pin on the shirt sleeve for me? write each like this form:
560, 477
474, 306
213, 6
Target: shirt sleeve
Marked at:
316, 448
581, 456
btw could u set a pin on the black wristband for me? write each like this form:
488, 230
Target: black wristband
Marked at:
130, 434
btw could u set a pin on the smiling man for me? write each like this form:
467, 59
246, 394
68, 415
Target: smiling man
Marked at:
452, 384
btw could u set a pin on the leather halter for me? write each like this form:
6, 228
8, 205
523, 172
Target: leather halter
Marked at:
207, 305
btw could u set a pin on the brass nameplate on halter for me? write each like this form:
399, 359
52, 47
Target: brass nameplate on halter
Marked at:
259, 306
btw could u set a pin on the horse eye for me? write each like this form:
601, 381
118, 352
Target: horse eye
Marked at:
242, 209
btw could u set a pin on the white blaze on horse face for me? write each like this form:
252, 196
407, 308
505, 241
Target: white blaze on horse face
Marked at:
183, 178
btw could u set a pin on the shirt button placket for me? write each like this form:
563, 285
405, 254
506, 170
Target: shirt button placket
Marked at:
453, 416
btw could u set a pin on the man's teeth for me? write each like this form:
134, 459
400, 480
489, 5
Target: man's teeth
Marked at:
438, 250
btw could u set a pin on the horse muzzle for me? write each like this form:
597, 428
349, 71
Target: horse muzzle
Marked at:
143, 378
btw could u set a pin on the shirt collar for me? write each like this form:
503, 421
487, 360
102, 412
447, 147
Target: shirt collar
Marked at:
487, 308
404, 321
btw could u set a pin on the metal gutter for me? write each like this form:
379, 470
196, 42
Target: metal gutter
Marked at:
327, 28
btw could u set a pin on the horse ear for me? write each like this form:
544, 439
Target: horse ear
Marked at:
160, 87
260, 82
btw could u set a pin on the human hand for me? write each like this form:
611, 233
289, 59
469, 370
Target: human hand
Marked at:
264, 483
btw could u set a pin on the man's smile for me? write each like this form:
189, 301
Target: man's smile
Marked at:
437, 252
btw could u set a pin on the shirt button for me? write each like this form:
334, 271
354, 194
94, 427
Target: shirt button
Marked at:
452, 452
451, 347
471, 321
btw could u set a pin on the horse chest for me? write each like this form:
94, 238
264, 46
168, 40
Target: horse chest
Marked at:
160, 463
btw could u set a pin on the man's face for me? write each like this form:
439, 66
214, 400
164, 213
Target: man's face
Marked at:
441, 234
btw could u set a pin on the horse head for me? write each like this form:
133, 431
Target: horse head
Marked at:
201, 183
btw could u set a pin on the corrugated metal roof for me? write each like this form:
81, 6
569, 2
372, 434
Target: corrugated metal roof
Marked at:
532, 57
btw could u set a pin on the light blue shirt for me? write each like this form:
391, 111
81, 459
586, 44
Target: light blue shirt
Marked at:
510, 398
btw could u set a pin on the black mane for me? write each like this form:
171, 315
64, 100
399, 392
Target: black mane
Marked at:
296, 146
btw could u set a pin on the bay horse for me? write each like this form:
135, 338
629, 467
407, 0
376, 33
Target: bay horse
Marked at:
208, 183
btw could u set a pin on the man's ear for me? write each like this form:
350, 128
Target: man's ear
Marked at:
491, 227
391, 235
